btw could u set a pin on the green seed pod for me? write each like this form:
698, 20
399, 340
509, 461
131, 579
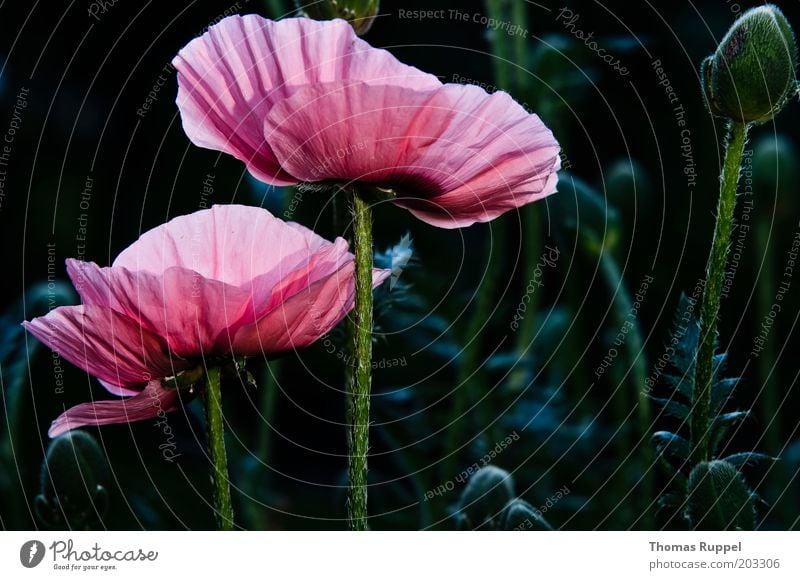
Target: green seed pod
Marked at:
73, 480
719, 499
774, 167
359, 13
520, 516
43, 297
628, 180
485, 497
752, 74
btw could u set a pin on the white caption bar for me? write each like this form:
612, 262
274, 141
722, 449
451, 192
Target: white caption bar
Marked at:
390, 555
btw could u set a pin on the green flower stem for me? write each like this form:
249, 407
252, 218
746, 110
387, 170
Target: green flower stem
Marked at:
467, 376
709, 311
498, 44
269, 394
463, 396
637, 373
531, 229
532, 248
625, 510
361, 376
216, 443
258, 476
767, 370
531, 220
519, 17
341, 225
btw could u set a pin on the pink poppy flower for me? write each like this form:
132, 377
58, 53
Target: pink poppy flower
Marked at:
231, 281
305, 101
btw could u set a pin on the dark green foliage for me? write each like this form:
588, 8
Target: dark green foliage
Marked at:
707, 495
583, 210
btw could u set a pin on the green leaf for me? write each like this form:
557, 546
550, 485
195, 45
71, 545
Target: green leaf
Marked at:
672, 407
723, 423
746, 459
721, 391
671, 501
672, 447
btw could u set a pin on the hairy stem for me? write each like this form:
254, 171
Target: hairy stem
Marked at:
361, 374
216, 444
709, 311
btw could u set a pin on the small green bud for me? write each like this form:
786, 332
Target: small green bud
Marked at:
752, 74
73, 480
719, 499
520, 516
485, 496
43, 297
774, 167
359, 13
628, 180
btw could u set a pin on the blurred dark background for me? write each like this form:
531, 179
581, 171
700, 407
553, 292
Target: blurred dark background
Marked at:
84, 78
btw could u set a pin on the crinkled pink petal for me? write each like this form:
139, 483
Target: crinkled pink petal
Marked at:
106, 344
145, 405
198, 315
457, 154
233, 244
305, 317
190, 312
229, 78
320, 264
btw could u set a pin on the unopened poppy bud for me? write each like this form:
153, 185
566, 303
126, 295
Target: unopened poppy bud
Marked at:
520, 516
752, 74
73, 482
774, 166
719, 498
485, 495
628, 183
42, 297
359, 13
